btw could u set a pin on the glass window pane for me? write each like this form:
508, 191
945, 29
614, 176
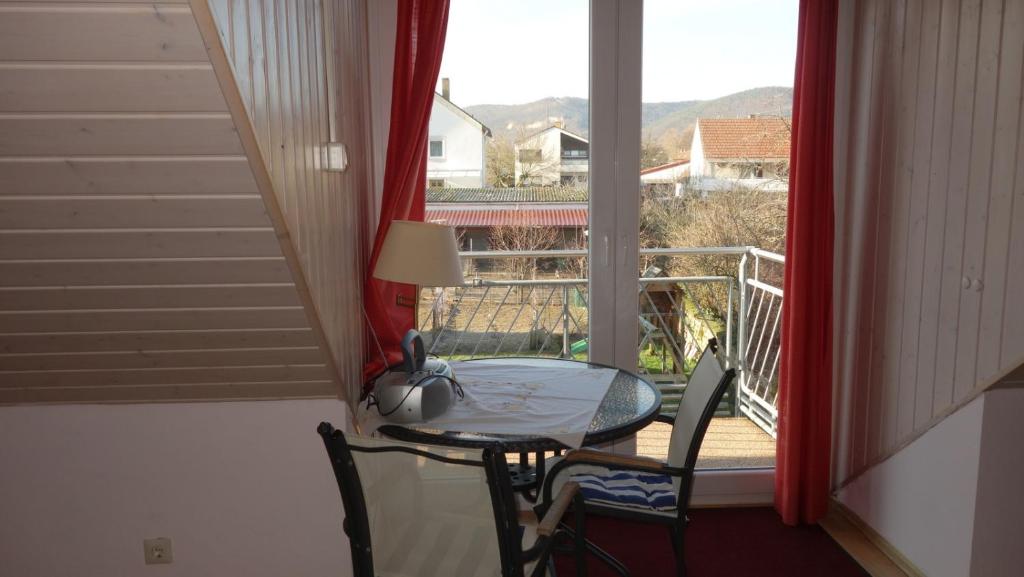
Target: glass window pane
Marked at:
717, 93
514, 165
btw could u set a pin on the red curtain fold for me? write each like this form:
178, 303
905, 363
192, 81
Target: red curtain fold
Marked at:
805, 374
419, 45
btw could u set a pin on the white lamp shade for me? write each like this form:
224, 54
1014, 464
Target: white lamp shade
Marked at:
420, 253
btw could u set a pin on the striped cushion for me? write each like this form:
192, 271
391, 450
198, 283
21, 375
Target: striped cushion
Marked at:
628, 488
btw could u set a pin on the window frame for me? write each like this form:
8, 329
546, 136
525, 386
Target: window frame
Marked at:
614, 175
444, 148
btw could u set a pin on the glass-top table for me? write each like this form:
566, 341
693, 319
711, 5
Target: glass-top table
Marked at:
631, 404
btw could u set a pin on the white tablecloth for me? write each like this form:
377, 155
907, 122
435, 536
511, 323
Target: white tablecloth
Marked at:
515, 399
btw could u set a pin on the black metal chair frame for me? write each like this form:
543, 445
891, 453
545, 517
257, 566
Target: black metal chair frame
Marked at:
675, 524
513, 556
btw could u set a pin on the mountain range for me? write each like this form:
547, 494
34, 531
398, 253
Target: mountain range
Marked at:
667, 123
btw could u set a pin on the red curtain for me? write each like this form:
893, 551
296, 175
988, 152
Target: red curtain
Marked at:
805, 377
419, 45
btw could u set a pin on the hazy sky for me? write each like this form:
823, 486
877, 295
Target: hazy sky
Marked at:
511, 52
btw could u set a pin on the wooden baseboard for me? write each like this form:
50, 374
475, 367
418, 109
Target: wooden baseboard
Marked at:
874, 553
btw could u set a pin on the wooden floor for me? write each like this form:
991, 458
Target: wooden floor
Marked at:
731, 442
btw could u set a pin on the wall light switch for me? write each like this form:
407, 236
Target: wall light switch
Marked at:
336, 157
158, 551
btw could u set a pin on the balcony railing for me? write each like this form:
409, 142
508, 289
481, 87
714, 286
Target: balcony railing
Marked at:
524, 303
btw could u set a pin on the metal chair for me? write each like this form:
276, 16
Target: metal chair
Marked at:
636, 487
417, 510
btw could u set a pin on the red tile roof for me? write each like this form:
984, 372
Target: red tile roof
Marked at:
557, 217
730, 138
680, 162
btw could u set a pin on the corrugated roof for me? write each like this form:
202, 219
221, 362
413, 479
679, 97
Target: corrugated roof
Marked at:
557, 217
744, 137
507, 195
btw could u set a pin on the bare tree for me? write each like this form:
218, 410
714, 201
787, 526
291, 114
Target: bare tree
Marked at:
737, 217
652, 153
501, 162
511, 237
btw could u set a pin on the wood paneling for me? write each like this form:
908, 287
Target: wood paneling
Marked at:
126, 319
109, 87
132, 175
160, 359
134, 244
17, 343
117, 134
933, 249
94, 31
287, 59
178, 296
138, 261
136, 212
48, 273
180, 392
161, 376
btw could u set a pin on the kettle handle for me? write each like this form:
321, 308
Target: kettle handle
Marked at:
414, 354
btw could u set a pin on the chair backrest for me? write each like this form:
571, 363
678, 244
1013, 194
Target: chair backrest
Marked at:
704, 391
421, 510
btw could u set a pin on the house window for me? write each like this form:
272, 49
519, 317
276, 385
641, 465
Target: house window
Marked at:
752, 170
529, 155
437, 147
435, 182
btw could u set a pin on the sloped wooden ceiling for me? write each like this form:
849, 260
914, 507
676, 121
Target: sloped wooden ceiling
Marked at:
140, 258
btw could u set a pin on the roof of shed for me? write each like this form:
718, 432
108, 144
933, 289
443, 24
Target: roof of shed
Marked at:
529, 194
554, 217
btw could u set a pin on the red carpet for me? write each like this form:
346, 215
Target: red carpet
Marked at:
719, 543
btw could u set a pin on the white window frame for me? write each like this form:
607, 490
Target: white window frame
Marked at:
615, 123
444, 148
615, 138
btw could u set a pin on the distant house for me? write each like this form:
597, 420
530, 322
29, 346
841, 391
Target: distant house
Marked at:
456, 151
667, 178
475, 213
751, 152
552, 157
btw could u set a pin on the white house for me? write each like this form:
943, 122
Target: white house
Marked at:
751, 152
667, 178
456, 152
552, 157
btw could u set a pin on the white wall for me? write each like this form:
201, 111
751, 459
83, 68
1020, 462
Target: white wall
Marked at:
241, 488
463, 162
921, 499
950, 501
546, 171
697, 168
999, 510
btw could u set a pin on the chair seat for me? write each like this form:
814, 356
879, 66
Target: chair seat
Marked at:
630, 489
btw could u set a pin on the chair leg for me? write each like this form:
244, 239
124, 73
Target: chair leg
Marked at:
675, 533
602, 555
580, 538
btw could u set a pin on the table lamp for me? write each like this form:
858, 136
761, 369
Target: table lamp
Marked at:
422, 254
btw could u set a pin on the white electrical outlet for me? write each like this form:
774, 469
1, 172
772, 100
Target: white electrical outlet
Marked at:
158, 551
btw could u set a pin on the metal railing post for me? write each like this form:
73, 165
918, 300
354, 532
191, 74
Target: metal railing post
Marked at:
566, 349
741, 330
